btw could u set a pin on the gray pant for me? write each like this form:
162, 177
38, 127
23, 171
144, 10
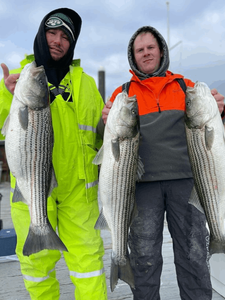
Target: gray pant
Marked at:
189, 234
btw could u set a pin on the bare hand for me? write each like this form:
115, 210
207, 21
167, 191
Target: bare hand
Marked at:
106, 110
9, 79
219, 99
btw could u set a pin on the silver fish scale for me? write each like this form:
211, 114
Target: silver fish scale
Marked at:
36, 159
202, 159
123, 196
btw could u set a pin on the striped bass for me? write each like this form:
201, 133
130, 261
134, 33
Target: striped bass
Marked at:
28, 143
120, 164
206, 147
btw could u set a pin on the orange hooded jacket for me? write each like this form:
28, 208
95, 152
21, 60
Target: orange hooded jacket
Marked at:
164, 93
163, 147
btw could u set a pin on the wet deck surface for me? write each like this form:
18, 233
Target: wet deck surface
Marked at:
11, 282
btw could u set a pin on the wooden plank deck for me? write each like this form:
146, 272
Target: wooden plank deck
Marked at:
11, 282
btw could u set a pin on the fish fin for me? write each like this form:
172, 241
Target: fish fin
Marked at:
53, 182
5, 126
102, 222
114, 275
209, 137
194, 200
216, 247
116, 149
40, 239
123, 272
23, 117
99, 156
140, 169
17, 195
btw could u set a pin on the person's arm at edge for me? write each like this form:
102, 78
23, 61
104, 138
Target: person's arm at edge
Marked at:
105, 111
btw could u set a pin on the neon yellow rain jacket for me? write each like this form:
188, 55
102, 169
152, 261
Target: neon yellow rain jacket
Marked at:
73, 206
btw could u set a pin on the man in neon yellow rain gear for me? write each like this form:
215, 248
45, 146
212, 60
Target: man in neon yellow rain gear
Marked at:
76, 107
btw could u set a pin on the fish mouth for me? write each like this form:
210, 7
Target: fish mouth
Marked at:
190, 123
38, 70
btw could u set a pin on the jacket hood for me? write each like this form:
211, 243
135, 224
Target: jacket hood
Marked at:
163, 47
55, 70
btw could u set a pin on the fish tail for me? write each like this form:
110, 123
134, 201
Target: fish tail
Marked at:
216, 247
38, 240
123, 272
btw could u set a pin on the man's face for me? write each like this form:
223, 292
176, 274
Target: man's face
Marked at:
58, 43
147, 53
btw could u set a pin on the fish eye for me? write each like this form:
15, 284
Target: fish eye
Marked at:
133, 112
41, 82
188, 103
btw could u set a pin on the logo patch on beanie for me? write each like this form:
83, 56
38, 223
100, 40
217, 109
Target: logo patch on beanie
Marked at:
54, 22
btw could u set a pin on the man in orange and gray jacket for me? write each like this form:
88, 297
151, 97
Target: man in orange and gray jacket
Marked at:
168, 180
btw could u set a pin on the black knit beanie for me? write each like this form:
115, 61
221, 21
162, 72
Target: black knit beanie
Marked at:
61, 21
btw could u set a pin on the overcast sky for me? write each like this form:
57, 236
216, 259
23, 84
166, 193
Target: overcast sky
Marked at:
197, 26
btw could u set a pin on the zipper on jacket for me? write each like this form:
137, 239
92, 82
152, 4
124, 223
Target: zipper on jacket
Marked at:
158, 107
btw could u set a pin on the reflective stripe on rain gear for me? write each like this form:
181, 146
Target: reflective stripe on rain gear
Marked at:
91, 184
36, 279
89, 128
88, 274
72, 273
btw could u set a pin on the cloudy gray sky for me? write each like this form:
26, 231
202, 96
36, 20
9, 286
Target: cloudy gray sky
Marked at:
197, 27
